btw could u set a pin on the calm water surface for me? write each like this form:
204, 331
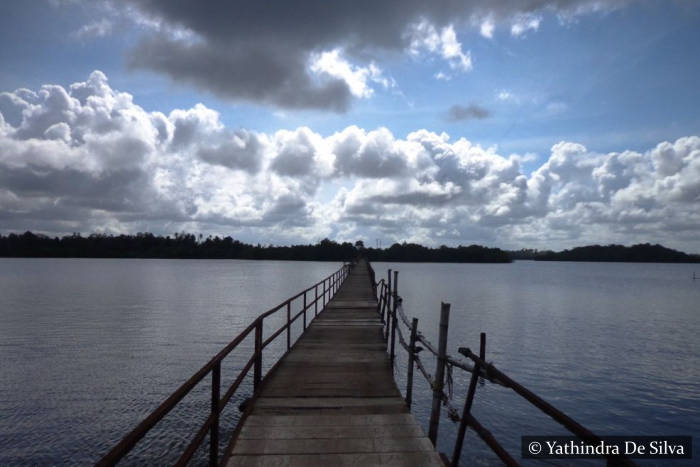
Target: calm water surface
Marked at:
614, 345
89, 347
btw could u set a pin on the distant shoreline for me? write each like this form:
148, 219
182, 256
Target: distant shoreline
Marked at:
641, 253
187, 246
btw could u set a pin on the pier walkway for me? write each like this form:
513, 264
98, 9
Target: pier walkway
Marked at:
332, 399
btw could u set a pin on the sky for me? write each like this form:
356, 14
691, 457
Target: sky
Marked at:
514, 124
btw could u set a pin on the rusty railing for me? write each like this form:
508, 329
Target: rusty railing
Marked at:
323, 292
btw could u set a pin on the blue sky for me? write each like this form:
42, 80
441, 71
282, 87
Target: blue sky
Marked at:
565, 111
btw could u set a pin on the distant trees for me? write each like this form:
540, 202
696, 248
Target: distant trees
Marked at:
525, 253
637, 253
412, 252
185, 245
181, 245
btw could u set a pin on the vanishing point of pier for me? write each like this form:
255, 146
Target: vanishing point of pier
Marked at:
332, 400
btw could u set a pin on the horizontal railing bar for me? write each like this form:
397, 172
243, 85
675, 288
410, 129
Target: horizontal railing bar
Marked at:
195, 443
239, 379
489, 439
291, 299
569, 423
273, 336
295, 317
133, 437
284, 327
199, 437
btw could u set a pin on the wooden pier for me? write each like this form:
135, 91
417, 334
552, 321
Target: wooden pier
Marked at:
332, 399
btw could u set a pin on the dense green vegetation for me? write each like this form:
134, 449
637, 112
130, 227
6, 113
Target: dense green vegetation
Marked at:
183, 245
642, 253
411, 252
146, 245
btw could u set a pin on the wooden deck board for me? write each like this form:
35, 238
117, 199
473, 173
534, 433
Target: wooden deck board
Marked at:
332, 400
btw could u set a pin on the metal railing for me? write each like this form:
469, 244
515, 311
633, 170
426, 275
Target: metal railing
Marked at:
323, 292
391, 312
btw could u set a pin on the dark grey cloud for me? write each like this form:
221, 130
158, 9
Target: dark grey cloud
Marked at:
458, 113
295, 155
260, 51
276, 76
242, 151
371, 155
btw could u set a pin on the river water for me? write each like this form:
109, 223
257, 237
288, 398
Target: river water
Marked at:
88, 347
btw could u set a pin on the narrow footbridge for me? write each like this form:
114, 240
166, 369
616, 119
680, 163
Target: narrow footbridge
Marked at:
332, 400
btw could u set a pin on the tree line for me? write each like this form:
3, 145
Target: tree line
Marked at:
640, 253
185, 245
412, 252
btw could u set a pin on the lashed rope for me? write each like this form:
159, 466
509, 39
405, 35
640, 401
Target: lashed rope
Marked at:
452, 411
446, 397
451, 361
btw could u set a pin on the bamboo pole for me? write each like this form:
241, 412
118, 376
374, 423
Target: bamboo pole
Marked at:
394, 318
468, 402
411, 359
388, 308
215, 409
257, 368
439, 373
289, 327
569, 423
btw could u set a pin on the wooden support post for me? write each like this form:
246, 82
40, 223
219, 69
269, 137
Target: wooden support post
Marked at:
468, 403
411, 360
324, 293
289, 326
315, 299
388, 308
304, 310
214, 428
380, 309
394, 318
257, 367
439, 373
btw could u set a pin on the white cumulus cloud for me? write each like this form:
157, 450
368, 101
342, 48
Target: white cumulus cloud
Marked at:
88, 158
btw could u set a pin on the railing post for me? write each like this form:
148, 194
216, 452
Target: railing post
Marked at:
315, 299
388, 307
411, 359
324, 293
289, 326
468, 402
304, 310
394, 318
257, 368
439, 373
380, 310
214, 428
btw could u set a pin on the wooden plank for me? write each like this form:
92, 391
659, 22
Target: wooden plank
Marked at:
330, 420
320, 432
326, 401
331, 445
404, 459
